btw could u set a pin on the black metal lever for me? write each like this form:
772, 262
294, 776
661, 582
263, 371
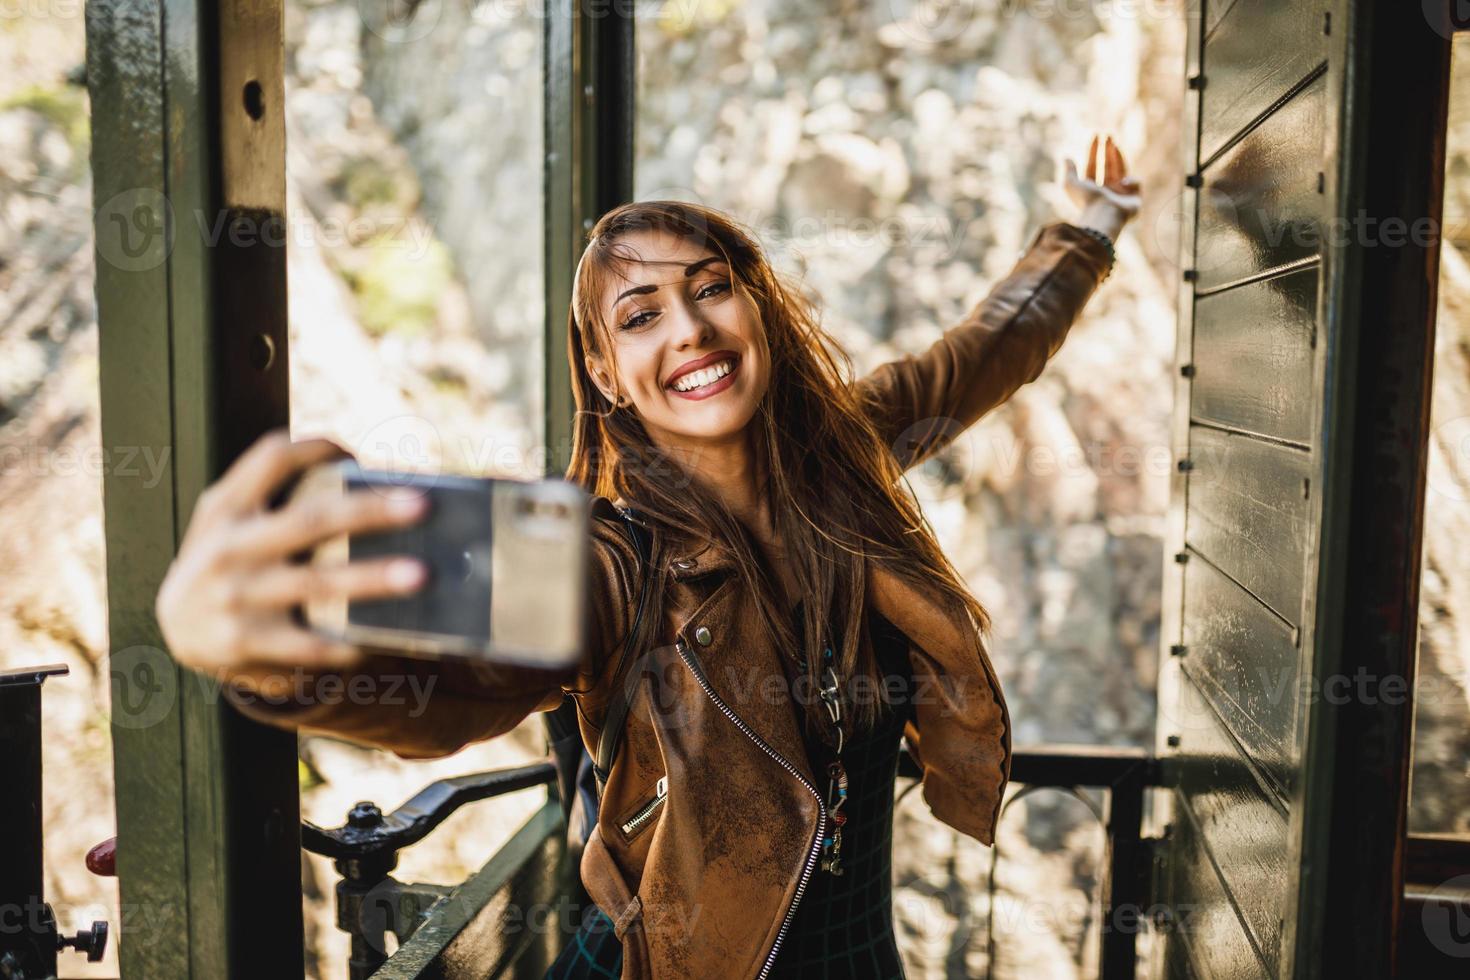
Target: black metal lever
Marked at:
368, 832
370, 902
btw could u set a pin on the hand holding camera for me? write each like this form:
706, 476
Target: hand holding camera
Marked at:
394, 560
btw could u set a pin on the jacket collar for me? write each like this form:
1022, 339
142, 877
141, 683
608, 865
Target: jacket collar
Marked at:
687, 553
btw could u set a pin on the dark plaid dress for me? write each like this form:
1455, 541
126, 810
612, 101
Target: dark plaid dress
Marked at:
843, 926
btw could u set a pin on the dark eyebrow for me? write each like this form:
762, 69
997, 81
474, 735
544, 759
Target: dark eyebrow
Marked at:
635, 291
689, 270
692, 269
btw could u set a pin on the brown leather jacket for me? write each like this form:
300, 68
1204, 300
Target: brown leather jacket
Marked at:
728, 814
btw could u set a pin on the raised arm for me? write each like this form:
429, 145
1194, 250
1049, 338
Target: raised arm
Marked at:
920, 403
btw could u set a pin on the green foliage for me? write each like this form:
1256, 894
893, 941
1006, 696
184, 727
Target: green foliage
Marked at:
398, 286
64, 106
366, 182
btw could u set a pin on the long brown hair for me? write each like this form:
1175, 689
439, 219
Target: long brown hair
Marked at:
836, 491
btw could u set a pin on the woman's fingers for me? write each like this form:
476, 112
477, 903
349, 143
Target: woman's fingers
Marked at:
1114, 167
304, 524
1119, 167
282, 586
262, 469
276, 643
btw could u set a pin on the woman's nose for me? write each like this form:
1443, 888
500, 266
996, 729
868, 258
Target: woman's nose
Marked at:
689, 328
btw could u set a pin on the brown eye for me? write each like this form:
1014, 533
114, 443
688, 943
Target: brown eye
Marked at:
713, 289
637, 320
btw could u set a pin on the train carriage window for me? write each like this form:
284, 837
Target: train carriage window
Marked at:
1439, 796
414, 156
896, 159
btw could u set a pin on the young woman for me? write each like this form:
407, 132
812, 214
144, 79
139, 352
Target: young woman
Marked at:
803, 616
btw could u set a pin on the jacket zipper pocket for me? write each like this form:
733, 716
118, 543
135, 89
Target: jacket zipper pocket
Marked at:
645, 813
696, 668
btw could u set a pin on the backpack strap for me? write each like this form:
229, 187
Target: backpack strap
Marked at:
620, 701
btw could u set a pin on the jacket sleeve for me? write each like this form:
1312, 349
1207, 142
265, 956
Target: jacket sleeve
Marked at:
921, 403
423, 708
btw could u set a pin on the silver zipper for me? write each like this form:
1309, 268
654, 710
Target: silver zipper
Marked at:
645, 813
811, 859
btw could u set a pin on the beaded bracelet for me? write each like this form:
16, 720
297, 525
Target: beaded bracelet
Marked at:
1107, 243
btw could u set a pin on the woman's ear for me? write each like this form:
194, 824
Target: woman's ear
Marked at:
599, 375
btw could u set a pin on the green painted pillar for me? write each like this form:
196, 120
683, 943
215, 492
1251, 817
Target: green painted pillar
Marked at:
189, 184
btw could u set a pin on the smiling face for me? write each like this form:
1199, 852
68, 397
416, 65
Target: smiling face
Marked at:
688, 351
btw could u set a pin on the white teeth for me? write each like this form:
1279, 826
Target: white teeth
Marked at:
704, 376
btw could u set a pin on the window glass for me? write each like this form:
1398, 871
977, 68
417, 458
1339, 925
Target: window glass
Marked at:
1439, 796
414, 172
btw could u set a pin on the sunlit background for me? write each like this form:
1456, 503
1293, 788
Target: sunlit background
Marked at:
895, 158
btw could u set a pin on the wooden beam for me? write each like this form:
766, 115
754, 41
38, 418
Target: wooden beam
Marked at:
1376, 314
192, 315
589, 60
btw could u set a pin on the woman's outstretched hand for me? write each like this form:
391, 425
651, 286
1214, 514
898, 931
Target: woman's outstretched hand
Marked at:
225, 605
1107, 199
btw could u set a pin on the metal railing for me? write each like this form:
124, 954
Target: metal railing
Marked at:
431, 921
1124, 774
472, 924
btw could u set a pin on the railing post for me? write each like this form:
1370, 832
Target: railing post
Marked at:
1123, 886
1126, 774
